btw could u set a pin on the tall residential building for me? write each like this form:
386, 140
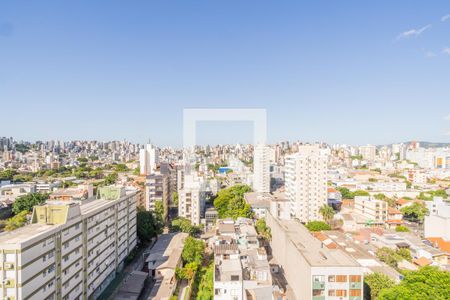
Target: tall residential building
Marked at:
148, 159
374, 210
157, 189
191, 199
261, 169
306, 182
70, 250
368, 152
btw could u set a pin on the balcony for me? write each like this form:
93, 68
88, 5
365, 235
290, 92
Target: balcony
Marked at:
318, 298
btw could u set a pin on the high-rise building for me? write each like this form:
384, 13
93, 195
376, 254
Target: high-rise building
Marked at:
261, 169
368, 152
157, 189
70, 250
306, 182
191, 199
148, 159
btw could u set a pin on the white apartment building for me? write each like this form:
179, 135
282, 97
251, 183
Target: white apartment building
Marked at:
437, 223
191, 200
306, 182
148, 159
12, 191
313, 271
261, 169
70, 250
156, 189
371, 208
368, 152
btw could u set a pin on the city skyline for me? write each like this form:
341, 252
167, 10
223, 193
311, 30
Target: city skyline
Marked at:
324, 72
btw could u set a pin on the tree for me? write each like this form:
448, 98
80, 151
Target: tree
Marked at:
426, 283
188, 271
327, 213
184, 225
175, 198
376, 282
414, 212
193, 250
263, 230
317, 226
7, 174
230, 202
206, 287
360, 193
147, 225
27, 202
388, 256
111, 178
401, 228
345, 192
405, 254
121, 168
17, 221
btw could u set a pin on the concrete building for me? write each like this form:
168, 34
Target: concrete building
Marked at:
313, 271
306, 182
163, 260
157, 188
261, 169
437, 224
12, 191
191, 199
368, 152
148, 159
70, 250
241, 268
371, 208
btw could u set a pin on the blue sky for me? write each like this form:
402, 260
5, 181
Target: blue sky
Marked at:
336, 71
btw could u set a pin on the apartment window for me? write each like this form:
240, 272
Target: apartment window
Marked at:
318, 293
331, 278
341, 293
318, 278
355, 278
77, 226
355, 293
234, 277
331, 293
341, 278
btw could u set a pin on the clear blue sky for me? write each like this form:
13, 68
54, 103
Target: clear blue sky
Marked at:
336, 71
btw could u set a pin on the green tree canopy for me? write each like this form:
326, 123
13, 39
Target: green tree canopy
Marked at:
230, 202
206, 287
28, 201
16, 221
426, 283
374, 283
193, 250
184, 225
263, 230
415, 212
327, 213
148, 225
317, 226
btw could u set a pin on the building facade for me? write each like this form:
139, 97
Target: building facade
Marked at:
70, 250
306, 182
261, 169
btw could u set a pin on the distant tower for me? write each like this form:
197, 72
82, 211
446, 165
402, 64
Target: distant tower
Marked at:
148, 159
261, 169
306, 182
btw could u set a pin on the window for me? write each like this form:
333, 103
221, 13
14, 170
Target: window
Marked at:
341, 293
355, 293
331, 293
318, 293
331, 278
341, 278
217, 291
355, 278
318, 278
